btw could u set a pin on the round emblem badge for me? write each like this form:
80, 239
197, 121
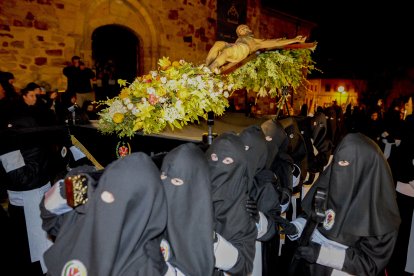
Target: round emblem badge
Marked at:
74, 268
329, 219
123, 149
63, 152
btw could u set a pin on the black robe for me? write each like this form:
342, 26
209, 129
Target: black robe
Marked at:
261, 188
362, 211
227, 161
118, 231
186, 178
402, 166
281, 163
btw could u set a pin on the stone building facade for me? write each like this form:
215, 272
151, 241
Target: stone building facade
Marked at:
38, 37
323, 92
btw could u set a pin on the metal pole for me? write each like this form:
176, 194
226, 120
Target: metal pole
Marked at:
210, 123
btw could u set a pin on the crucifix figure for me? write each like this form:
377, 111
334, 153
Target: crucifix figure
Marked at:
224, 55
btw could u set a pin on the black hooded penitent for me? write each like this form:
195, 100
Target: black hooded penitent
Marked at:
186, 178
228, 169
118, 231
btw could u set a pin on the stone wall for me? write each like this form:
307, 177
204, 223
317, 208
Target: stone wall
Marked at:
38, 37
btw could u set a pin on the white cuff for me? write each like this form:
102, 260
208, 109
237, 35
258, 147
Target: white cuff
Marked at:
331, 256
225, 253
285, 206
12, 161
54, 202
77, 153
300, 225
262, 225
387, 148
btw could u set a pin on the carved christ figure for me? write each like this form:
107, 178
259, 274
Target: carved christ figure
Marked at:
223, 52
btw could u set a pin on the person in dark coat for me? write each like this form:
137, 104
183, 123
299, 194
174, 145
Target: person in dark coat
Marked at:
264, 204
235, 230
188, 245
27, 178
402, 166
282, 165
359, 232
118, 230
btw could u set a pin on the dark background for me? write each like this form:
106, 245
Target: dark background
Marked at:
356, 38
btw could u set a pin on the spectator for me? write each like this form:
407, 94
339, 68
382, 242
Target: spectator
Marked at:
85, 91
72, 73
5, 104
27, 178
7, 80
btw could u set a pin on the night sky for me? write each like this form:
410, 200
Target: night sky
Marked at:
357, 38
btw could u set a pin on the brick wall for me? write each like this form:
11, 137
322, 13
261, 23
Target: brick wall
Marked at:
38, 37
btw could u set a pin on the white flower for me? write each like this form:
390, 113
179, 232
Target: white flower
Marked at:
230, 86
206, 70
201, 85
220, 85
126, 101
184, 76
130, 106
163, 80
171, 84
135, 111
154, 74
226, 94
178, 103
150, 90
162, 99
182, 62
171, 114
191, 81
199, 79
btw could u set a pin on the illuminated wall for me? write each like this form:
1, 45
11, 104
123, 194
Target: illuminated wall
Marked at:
38, 37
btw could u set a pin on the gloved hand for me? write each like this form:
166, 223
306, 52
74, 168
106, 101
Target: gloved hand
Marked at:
288, 228
309, 253
251, 208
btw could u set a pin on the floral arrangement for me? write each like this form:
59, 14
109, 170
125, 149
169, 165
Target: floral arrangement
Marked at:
270, 71
176, 94
179, 92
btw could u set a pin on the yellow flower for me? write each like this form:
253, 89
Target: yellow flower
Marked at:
147, 78
164, 63
124, 93
176, 64
118, 118
138, 125
161, 91
122, 82
183, 94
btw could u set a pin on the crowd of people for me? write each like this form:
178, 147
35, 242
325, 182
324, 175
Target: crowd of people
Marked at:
35, 150
326, 194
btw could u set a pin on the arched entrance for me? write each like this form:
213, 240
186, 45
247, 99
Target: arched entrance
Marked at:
115, 52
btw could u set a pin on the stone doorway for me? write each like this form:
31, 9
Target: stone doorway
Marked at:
115, 54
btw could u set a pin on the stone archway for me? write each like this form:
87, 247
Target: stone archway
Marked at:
115, 53
128, 13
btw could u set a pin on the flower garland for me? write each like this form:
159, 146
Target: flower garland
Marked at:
179, 92
176, 94
270, 71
